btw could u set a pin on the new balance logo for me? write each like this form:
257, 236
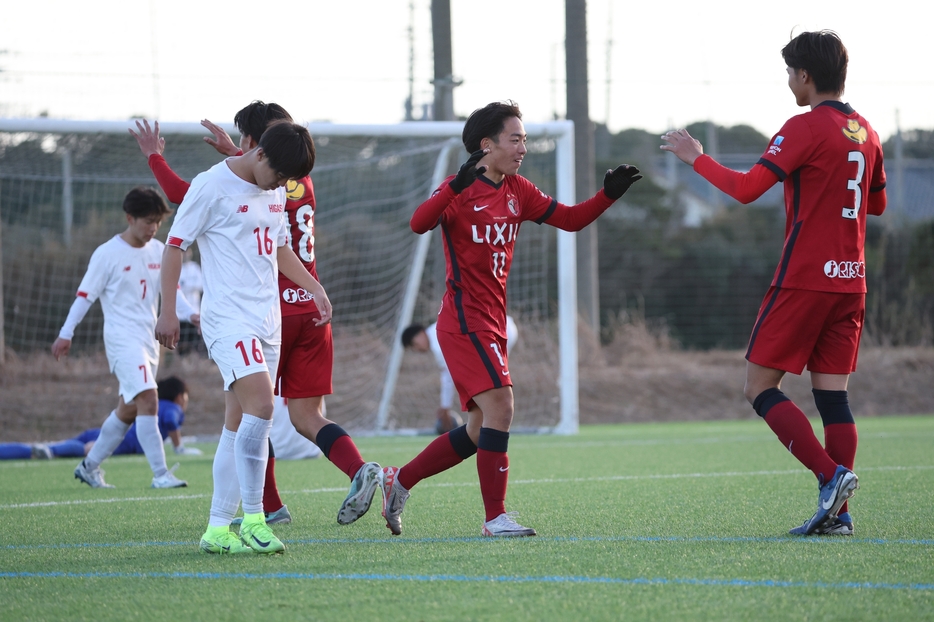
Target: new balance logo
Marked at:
243, 209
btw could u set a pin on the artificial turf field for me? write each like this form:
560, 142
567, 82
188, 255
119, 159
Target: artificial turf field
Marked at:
638, 522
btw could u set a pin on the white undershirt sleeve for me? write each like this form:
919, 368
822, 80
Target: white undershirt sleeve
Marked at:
79, 308
183, 309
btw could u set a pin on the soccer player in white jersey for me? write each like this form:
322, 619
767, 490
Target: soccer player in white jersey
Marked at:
236, 213
425, 339
124, 274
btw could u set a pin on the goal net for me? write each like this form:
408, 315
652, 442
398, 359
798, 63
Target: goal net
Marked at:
61, 188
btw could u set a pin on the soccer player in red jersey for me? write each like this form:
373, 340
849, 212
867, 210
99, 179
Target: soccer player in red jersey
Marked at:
480, 211
830, 163
306, 359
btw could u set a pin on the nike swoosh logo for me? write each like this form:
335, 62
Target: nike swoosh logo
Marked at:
478, 208
505, 373
260, 542
226, 548
502, 470
827, 505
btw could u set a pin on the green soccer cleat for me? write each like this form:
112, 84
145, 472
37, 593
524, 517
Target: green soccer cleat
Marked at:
256, 534
222, 541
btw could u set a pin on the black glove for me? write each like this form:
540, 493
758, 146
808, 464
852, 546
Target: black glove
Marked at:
468, 172
617, 181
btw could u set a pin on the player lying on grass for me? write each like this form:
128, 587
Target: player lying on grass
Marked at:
124, 274
173, 401
480, 211
305, 373
235, 211
830, 163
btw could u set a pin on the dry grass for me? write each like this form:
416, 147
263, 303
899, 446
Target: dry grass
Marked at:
639, 376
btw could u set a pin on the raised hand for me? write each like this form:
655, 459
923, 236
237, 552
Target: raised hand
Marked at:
617, 181
221, 141
683, 145
149, 140
469, 171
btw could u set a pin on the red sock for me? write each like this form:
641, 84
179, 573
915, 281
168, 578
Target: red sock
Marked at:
271, 500
841, 439
796, 434
345, 456
437, 457
493, 469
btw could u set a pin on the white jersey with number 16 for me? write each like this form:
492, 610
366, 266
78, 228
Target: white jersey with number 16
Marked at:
238, 228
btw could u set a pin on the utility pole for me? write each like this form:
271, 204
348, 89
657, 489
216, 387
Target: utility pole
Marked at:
444, 80
578, 110
410, 100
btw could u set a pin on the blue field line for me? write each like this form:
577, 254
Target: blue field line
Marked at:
418, 578
479, 539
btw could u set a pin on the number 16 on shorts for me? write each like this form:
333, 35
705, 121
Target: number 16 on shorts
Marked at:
239, 356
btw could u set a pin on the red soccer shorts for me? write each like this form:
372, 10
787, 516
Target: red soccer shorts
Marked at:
798, 327
478, 362
306, 359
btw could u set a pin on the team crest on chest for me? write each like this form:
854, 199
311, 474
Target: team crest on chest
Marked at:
513, 207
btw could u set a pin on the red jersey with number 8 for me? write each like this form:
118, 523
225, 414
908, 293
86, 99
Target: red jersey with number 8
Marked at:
830, 161
300, 213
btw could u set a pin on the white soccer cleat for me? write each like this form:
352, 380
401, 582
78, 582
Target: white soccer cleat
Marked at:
394, 498
362, 488
169, 480
92, 477
505, 526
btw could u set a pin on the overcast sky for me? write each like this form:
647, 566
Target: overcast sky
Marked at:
670, 63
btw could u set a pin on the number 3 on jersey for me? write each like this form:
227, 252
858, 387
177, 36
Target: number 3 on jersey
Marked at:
854, 184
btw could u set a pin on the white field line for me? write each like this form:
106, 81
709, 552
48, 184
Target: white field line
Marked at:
518, 482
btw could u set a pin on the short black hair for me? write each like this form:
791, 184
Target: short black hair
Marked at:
488, 122
409, 334
823, 55
253, 120
144, 202
170, 388
290, 149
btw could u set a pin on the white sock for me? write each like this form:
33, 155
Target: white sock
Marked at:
252, 452
226, 497
112, 432
147, 432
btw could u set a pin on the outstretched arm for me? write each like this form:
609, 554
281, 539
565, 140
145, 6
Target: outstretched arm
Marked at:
575, 217
744, 187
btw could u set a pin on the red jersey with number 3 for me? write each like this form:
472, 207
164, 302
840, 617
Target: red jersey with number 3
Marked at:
829, 160
300, 212
479, 229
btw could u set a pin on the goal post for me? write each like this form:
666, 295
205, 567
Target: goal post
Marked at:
378, 274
